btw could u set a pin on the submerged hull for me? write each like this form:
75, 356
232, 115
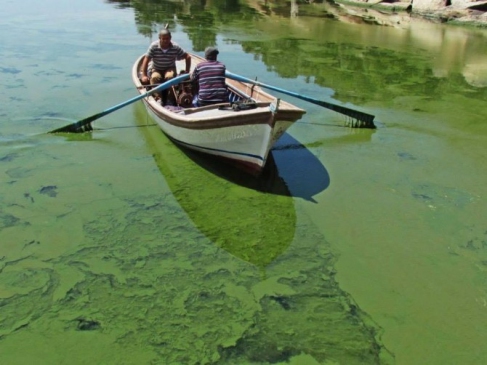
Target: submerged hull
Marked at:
243, 137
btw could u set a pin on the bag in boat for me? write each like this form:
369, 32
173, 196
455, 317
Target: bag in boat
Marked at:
241, 105
244, 105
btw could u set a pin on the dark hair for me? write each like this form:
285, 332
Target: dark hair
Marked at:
211, 53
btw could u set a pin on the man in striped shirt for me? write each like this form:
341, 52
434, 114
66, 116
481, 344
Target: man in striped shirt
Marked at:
210, 76
160, 60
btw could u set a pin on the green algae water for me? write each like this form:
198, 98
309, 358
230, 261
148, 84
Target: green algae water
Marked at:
355, 247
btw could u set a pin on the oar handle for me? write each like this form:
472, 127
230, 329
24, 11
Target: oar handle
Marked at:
155, 85
150, 85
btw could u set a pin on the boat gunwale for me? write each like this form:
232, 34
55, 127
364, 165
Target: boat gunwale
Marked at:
259, 115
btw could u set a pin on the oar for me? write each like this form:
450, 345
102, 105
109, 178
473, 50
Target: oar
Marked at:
366, 120
84, 124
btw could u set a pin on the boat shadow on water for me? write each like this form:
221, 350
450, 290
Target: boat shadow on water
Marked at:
252, 218
291, 170
304, 174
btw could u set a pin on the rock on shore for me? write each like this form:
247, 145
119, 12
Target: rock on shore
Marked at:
465, 12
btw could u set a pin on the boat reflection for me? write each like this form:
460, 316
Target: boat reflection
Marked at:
252, 218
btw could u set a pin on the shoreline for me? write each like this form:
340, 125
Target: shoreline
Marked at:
382, 13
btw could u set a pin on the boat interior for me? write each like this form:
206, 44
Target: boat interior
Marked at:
180, 99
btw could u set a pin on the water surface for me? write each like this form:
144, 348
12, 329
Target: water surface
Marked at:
357, 246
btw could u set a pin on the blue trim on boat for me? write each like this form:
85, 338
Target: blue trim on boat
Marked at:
215, 149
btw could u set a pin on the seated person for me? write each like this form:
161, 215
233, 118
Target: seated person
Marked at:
162, 56
210, 78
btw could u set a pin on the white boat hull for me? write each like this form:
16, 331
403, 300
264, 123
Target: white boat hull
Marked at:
242, 137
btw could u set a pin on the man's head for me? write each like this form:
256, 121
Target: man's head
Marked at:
165, 38
211, 53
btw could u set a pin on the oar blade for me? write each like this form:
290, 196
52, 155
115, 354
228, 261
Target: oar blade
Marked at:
358, 119
83, 125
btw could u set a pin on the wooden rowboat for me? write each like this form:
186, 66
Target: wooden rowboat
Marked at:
241, 132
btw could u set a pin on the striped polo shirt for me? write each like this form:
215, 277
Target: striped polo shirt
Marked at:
162, 60
211, 79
